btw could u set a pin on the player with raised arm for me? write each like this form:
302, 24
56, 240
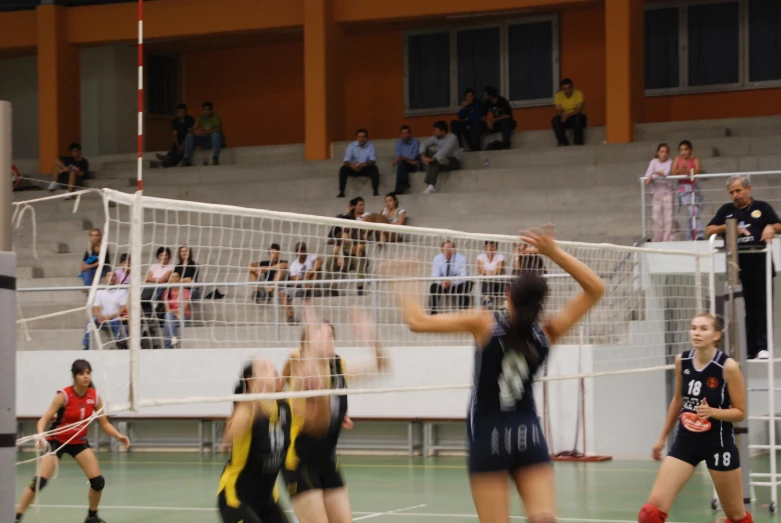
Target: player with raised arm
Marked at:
71, 405
710, 395
260, 435
505, 437
316, 487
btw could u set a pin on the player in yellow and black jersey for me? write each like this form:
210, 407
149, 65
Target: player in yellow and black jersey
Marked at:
260, 435
311, 470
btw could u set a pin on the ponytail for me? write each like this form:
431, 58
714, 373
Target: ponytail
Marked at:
527, 295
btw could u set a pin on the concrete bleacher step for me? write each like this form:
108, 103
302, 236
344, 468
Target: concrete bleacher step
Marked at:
75, 318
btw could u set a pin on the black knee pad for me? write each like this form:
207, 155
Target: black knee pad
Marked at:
34, 484
97, 483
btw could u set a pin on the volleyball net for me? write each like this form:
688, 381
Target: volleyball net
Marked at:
220, 285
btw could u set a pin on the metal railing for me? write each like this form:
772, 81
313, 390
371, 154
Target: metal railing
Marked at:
702, 203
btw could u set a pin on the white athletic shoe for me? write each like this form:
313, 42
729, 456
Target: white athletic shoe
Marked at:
763, 355
174, 341
53, 186
430, 189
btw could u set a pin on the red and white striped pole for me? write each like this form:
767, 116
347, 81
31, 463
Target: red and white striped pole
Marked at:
140, 94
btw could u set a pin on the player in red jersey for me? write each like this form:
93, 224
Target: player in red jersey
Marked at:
71, 405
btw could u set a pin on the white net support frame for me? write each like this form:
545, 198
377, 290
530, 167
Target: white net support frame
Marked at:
640, 324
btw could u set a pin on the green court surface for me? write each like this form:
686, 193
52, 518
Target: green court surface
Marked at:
177, 488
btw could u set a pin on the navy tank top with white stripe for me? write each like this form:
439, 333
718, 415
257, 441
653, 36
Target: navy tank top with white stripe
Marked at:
503, 377
700, 384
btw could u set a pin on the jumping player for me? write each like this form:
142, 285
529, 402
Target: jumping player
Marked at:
710, 396
317, 490
260, 434
71, 405
505, 437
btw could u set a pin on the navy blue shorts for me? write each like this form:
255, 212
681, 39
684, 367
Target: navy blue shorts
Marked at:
715, 455
505, 443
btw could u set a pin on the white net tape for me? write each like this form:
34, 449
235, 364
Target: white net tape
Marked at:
238, 311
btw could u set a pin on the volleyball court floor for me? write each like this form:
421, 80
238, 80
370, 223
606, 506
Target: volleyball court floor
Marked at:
179, 487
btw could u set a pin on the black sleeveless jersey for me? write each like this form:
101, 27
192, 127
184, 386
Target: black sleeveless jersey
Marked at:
503, 378
258, 455
700, 384
313, 448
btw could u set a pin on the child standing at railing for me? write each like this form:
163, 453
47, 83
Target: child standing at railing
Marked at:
689, 196
663, 214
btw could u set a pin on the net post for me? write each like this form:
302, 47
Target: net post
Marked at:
771, 380
8, 327
736, 312
134, 336
698, 283
643, 217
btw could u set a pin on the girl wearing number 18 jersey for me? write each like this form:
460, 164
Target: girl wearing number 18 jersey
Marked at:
710, 395
505, 437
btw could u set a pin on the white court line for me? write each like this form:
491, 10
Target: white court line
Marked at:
363, 515
378, 514
519, 518
142, 507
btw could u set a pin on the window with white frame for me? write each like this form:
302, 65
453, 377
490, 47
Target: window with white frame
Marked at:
712, 45
518, 57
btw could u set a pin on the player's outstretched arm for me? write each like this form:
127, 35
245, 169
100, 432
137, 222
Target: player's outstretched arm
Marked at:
57, 403
737, 395
365, 331
109, 429
478, 322
239, 422
593, 287
672, 412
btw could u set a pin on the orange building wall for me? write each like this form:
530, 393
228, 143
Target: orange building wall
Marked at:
259, 92
374, 81
735, 104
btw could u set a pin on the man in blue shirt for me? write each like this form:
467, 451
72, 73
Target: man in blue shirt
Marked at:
452, 268
360, 159
469, 126
407, 158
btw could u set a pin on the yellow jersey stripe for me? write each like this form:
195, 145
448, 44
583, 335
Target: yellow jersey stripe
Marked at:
239, 457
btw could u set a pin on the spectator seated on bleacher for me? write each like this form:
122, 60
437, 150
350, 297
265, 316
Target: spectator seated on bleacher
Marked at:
271, 270
181, 126
501, 118
439, 153
108, 310
91, 260
407, 158
689, 195
469, 126
394, 215
569, 104
176, 301
360, 159
69, 169
122, 273
187, 270
158, 273
302, 273
451, 266
349, 245
206, 134
489, 263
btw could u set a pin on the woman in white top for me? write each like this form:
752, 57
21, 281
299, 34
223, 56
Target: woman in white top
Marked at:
664, 196
491, 264
394, 215
159, 272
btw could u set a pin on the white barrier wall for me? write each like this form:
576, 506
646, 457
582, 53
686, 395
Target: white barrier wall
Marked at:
212, 373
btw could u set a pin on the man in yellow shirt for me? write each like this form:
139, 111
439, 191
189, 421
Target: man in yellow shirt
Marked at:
569, 103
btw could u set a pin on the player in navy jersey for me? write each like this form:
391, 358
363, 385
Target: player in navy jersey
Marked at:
259, 432
317, 490
72, 405
504, 433
710, 396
